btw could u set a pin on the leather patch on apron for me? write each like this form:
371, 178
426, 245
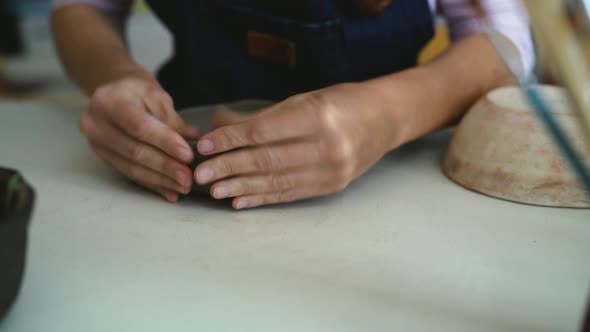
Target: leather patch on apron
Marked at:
371, 7
271, 48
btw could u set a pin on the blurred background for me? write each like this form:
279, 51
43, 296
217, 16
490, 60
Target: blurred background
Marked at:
29, 67
30, 70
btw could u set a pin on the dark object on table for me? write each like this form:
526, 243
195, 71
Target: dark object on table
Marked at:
16, 205
11, 42
11, 87
199, 158
201, 118
586, 323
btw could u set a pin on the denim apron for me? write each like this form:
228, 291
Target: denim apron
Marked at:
227, 50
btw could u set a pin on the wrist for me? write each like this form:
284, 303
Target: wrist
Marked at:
118, 73
130, 71
390, 102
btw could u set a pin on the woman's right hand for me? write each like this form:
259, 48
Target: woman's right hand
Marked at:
132, 125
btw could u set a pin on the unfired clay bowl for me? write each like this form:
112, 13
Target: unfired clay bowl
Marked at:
503, 150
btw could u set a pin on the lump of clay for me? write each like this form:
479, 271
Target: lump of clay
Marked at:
199, 158
200, 117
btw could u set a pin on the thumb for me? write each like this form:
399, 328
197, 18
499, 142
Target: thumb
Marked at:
163, 109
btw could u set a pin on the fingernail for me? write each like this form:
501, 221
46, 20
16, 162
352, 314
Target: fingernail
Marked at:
181, 190
241, 204
181, 178
184, 153
205, 146
205, 175
192, 131
221, 192
171, 197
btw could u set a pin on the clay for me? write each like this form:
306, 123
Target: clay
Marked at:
200, 117
502, 149
199, 158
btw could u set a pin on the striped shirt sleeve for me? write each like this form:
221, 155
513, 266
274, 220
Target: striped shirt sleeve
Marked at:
507, 17
118, 9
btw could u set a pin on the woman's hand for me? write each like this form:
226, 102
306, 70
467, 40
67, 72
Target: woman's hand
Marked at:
309, 145
132, 125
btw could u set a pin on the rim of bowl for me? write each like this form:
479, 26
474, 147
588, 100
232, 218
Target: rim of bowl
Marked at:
512, 98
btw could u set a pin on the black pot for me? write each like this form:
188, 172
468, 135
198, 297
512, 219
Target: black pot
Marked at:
16, 205
586, 324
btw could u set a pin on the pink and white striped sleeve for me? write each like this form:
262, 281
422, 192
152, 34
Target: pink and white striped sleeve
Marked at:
507, 17
117, 9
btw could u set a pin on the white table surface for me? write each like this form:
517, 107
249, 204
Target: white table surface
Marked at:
403, 249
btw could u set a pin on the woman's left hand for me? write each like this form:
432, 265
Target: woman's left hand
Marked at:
309, 145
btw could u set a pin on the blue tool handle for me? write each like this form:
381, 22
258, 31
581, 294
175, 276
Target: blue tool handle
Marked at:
559, 136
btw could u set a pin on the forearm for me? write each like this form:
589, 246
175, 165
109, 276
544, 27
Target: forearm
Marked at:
420, 100
92, 47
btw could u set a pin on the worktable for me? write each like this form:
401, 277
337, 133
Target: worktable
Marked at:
402, 249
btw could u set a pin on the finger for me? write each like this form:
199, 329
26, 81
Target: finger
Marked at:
287, 122
133, 119
137, 172
160, 104
250, 201
102, 133
268, 183
262, 159
168, 195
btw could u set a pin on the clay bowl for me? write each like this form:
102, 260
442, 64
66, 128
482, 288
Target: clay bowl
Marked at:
502, 149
